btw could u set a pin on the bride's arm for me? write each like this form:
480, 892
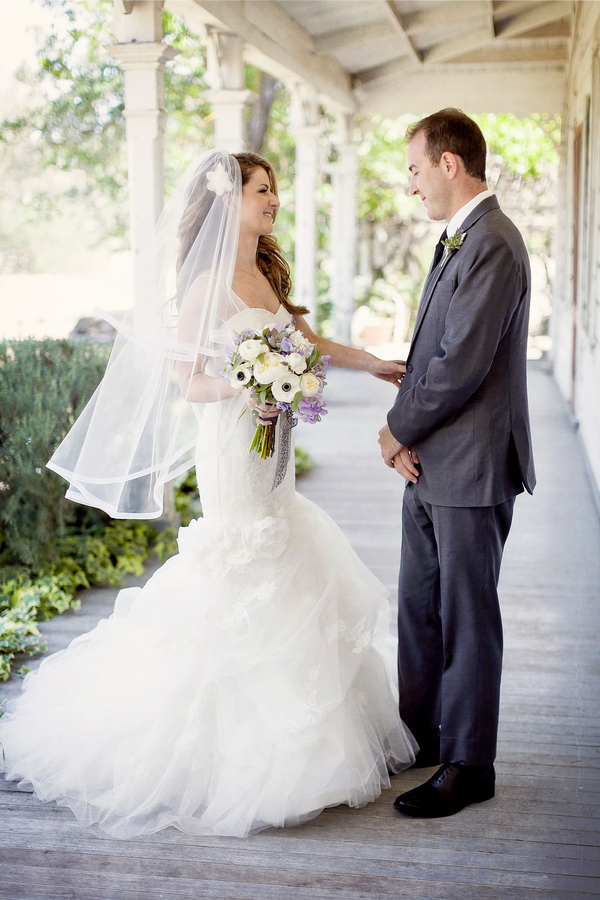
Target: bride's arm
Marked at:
192, 328
350, 358
197, 387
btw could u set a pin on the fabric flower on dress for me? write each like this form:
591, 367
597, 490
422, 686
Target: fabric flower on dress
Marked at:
221, 548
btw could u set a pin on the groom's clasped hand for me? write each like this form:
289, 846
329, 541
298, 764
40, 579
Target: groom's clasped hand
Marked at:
395, 455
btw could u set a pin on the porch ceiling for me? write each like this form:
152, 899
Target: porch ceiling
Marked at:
397, 56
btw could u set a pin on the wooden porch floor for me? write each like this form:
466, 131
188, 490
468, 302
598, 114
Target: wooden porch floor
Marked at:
538, 839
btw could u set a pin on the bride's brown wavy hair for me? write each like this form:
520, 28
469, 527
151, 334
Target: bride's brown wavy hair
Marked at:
269, 257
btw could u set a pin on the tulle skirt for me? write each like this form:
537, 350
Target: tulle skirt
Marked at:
249, 684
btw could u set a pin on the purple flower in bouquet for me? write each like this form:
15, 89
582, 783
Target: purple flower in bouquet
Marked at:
311, 409
321, 366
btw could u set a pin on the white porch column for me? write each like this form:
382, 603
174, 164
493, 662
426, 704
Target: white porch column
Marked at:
142, 57
227, 95
344, 181
138, 27
305, 128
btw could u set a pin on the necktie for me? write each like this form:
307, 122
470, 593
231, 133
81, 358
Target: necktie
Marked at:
439, 249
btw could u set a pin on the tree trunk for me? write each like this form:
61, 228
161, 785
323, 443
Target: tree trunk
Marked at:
259, 117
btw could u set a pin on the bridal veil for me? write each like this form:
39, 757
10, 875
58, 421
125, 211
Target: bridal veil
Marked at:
138, 431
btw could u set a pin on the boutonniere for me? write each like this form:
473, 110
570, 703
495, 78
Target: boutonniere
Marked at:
450, 245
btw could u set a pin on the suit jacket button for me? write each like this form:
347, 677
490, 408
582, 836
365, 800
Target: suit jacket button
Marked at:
409, 368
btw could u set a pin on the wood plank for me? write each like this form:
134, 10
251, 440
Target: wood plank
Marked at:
350, 856
305, 885
316, 841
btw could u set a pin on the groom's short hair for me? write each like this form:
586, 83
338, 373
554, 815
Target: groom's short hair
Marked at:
451, 131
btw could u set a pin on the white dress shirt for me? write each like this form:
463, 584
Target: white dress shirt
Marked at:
459, 217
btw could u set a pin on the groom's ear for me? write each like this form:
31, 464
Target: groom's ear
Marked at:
450, 164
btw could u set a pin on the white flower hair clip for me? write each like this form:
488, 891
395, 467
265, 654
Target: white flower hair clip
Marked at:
218, 181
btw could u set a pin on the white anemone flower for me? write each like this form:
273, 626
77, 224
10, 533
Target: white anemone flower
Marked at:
285, 388
250, 349
218, 181
296, 362
310, 385
239, 376
270, 368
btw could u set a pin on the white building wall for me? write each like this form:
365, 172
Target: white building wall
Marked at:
576, 307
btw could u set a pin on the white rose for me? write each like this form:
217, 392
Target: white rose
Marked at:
239, 376
310, 385
296, 362
299, 340
250, 349
270, 369
285, 388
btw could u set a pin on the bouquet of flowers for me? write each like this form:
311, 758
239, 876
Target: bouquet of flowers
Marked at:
284, 370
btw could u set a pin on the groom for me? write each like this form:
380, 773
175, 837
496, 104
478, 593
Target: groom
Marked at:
459, 433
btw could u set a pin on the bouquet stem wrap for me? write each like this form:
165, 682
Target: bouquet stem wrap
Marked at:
264, 440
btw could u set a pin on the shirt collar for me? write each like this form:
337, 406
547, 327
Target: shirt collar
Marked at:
459, 217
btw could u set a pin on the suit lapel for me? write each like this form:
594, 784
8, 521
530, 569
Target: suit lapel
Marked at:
428, 290
436, 270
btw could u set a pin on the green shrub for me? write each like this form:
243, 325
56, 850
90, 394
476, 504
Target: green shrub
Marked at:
187, 501
304, 462
51, 547
44, 385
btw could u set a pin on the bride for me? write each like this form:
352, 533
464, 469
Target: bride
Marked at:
245, 686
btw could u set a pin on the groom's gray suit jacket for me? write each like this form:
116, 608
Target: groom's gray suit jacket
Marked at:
463, 401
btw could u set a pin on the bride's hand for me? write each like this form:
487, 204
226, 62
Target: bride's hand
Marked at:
392, 370
266, 413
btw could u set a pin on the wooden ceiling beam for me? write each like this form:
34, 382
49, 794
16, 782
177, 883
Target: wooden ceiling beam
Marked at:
519, 91
541, 14
397, 22
446, 50
349, 38
512, 54
504, 8
491, 22
382, 73
438, 15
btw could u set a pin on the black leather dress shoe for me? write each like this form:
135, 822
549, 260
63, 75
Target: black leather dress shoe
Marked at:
453, 787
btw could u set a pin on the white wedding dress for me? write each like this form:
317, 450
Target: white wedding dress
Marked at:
243, 687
